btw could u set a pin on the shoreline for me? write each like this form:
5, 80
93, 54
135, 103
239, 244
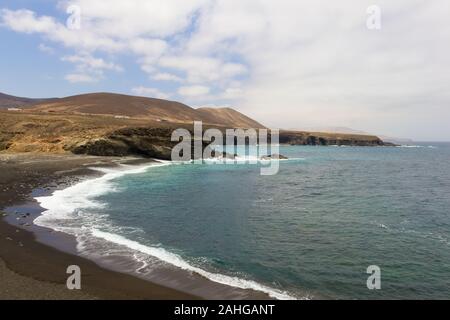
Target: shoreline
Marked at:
167, 282
30, 269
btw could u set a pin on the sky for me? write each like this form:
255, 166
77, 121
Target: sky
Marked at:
381, 66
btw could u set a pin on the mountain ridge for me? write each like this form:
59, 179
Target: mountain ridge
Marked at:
121, 105
9, 101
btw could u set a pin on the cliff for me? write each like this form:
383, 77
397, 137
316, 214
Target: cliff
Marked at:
327, 139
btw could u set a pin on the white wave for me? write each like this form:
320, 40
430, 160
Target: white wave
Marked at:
73, 211
415, 146
178, 262
68, 204
246, 159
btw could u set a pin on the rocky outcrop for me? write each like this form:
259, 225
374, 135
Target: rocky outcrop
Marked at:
148, 142
108, 136
329, 139
274, 156
156, 143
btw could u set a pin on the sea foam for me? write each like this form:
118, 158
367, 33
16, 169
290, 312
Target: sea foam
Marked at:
179, 262
76, 211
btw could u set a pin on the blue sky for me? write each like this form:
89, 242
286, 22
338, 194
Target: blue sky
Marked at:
31, 72
289, 64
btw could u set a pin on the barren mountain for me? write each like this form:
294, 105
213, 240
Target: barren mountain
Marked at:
7, 101
119, 105
142, 107
227, 117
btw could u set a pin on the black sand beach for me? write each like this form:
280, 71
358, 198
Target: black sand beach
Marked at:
32, 270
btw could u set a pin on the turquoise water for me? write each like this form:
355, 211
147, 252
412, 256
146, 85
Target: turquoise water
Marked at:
312, 229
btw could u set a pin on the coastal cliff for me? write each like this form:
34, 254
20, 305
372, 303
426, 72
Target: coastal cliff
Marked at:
156, 142
108, 136
330, 139
148, 142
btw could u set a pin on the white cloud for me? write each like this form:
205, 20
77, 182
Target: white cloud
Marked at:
137, 18
202, 68
232, 93
26, 21
90, 67
46, 49
148, 51
87, 61
193, 91
164, 76
80, 78
150, 92
317, 63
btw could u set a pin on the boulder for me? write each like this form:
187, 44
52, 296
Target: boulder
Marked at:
274, 156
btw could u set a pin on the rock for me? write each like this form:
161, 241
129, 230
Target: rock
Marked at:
148, 142
274, 156
329, 139
223, 155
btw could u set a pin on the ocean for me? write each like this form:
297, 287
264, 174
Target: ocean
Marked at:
308, 232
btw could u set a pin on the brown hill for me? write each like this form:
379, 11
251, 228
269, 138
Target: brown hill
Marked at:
119, 105
7, 101
227, 117
142, 107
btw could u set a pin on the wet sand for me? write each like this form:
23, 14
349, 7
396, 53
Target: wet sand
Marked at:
32, 270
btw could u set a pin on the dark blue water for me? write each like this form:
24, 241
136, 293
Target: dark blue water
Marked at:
312, 229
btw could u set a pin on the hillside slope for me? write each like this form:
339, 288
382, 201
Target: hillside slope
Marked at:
8, 101
228, 117
120, 105
143, 107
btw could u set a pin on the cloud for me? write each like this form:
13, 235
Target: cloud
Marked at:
232, 93
202, 68
319, 64
148, 52
133, 19
46, 49
150, 92
193, 91
87, 61
90, 67
26, 21
80, 78
164, 76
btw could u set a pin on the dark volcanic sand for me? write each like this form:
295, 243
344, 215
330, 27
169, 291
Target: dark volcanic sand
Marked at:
32, 270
